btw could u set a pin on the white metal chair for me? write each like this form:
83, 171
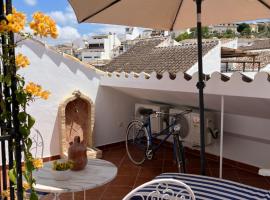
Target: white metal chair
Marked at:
37, 150
38, 144
161, 189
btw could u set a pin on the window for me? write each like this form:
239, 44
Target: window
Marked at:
96, 46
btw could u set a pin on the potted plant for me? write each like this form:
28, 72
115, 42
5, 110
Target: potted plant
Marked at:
61, 170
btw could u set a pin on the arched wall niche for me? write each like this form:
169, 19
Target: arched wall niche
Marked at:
77, 115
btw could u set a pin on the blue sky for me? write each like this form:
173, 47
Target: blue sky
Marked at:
63, 14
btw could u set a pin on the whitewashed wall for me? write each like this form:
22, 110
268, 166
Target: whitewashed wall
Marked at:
211, 62
62, 75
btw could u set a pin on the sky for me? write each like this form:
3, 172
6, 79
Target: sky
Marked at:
63, 14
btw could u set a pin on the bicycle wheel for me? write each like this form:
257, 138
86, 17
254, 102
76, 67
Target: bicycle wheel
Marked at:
179, 154
137, 142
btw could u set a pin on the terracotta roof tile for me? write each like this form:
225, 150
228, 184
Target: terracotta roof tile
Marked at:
146, 56
257, 45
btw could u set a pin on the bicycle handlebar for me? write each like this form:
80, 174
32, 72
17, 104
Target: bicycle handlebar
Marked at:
175, 115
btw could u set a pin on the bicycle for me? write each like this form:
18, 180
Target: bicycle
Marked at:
140, 143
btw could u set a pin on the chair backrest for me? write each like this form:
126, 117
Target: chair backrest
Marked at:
162, 189
37, 145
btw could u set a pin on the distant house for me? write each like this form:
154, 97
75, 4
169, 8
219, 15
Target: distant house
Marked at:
99, 49
222, 28
160, 55
257, 55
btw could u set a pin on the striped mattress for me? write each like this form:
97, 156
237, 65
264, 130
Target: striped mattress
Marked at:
208, 188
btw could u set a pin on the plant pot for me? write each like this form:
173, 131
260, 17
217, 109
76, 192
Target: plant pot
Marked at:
61, 175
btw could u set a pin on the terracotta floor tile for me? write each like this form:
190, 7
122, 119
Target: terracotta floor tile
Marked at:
124, 180
115, 192
128, 170
229, 174
152, 164
150, 172
247, 175
197, 171
261, 183
215, 164
130, 176
173, 169
141, 180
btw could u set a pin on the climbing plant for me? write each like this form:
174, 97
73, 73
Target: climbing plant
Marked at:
11, 23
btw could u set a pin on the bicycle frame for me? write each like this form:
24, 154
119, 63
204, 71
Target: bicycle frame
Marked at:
152, 136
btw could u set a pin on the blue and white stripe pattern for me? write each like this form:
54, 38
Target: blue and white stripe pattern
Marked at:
208, 188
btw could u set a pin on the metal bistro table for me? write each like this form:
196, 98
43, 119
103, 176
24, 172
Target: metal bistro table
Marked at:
97, 173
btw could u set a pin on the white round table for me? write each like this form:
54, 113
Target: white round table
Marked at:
96, 173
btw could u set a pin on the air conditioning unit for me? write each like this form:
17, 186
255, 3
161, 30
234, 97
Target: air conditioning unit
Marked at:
157, 123
192, 138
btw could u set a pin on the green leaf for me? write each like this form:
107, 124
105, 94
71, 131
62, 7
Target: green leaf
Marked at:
12, 176
24, 131
29, 165
1, 78
31, 121
21, 97
33, 195
7, 80
22, 116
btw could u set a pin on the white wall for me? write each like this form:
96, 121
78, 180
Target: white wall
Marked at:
211, 62
114, 110
231, 43
246, 139
61, 76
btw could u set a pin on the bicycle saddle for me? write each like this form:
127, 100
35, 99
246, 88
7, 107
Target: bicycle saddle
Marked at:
145, 111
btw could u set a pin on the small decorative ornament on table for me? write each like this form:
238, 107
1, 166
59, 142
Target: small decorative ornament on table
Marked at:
61, 170
77, 154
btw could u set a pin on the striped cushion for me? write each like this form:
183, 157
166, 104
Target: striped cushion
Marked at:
208, 188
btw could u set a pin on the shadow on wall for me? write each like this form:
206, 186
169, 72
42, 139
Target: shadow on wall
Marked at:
55, 144
114, 110
40, 50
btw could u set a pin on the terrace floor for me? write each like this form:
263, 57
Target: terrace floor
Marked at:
130, 176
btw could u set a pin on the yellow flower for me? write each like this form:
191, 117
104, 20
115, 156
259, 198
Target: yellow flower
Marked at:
33, 89
38, 163
5, 194
45, 94
43, 25
26, 185
15, 22
36, 90
22, 61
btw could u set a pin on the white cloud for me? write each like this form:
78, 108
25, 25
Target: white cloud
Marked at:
68, 33
64, 18
31, 2
107, 28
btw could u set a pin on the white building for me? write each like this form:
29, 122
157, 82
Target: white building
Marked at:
222, 28
99, 49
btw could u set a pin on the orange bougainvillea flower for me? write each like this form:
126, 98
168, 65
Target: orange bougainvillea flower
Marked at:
14, 22
26, 185
33, 89
36, 90
37, 163
22, 61
43, 25
45, 94
5, 194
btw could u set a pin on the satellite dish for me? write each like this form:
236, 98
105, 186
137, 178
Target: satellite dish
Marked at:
182, 122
